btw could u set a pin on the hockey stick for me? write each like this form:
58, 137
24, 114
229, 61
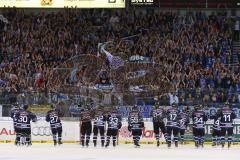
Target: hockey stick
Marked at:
118, 137
143, 131
80, 126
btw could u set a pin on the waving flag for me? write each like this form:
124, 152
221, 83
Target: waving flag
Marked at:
115, 61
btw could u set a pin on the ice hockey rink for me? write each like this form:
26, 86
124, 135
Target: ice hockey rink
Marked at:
121, 152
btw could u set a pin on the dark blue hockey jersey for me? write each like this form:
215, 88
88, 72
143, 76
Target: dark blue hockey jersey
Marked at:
216, 121
24, 119
158, 114
54, 119
99, 118
173, 117
114, 120
183, 120
135, 120
199, 119
226, 117
14, 112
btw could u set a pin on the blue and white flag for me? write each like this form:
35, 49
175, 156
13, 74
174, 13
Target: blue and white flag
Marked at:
115, 61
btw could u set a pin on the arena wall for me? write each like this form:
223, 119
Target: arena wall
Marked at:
41, 132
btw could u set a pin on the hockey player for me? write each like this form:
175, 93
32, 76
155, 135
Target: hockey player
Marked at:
53, 117
183, 123
226, 123
114, 124
172, 124
158, 114
86, 126
24, 119
199, 119
14, 112
99, 126
216, 129
135, 125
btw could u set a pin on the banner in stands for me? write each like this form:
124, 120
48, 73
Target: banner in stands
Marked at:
39, 110
146, 110
63, 3
219, 4
41, 132
136, 74
150, 3
140, 59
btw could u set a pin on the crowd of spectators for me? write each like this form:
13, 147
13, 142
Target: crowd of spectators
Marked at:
194, 50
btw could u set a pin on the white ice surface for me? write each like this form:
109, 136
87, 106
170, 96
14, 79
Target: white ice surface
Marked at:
121, 152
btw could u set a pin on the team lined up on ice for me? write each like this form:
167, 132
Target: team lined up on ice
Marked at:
95, 120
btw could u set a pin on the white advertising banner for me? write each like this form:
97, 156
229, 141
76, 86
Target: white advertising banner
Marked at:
63, 3
41, 132
0, 110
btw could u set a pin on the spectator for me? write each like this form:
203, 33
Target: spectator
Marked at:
173, 98
180, 52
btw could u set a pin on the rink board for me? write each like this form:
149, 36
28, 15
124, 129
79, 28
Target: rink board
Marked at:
41, 133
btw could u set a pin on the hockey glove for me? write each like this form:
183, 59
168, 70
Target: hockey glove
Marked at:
119, 125
129, 128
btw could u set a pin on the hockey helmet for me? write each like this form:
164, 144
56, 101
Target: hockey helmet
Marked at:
227, 104
25, 107
196, 107
135, 108
174, 105
186, 110
53, 106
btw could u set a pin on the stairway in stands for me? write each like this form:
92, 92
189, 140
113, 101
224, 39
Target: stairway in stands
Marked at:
235, 60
